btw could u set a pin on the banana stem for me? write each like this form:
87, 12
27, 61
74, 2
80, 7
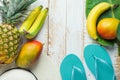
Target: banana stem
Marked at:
118, 43
118, 50
115, 6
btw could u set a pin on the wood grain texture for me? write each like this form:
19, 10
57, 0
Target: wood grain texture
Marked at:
74, 28
57, 26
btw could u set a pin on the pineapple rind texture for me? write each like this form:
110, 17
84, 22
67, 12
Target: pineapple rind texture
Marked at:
9, 42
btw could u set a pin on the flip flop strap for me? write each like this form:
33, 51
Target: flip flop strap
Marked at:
78, 74
105, 63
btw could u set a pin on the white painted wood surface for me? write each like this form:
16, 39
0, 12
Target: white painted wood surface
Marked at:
64, 32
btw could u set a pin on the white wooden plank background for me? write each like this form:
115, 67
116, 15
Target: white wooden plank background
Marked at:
64, 32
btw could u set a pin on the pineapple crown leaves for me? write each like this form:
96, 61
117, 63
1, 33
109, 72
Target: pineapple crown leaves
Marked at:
12, 11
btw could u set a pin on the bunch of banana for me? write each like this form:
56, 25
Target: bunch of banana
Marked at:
93, 17
34, 22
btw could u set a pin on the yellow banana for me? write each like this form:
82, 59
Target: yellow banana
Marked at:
93, 17
37, 25
30, 19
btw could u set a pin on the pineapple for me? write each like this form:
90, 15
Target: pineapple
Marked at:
12, 12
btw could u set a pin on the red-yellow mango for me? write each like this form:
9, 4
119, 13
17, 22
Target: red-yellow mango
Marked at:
107, 28
29, 53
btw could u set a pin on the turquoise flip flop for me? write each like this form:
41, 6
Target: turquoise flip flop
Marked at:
72, 69
99, 62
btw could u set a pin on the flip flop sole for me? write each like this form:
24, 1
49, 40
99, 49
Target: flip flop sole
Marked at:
95, 50
67, 65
